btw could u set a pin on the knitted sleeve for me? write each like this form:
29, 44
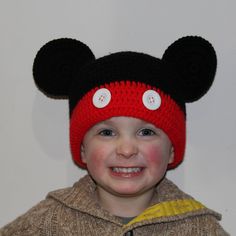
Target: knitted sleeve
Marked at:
200, 225
205, 225
31, 223
210, 226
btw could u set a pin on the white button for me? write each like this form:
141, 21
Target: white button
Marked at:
101, 98
151, 100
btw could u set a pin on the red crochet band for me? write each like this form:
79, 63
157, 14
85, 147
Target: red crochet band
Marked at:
126, 100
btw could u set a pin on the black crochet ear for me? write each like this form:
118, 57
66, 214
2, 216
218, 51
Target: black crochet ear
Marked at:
195, 60
57, 62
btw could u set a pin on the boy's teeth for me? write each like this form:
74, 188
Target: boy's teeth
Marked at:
126, 170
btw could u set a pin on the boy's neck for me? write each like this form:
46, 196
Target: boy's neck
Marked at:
124, 206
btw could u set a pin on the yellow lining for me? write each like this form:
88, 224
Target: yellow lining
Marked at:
169, 208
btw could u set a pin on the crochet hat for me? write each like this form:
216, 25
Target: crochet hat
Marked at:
126, 84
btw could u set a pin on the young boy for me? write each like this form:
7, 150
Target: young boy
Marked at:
127, 128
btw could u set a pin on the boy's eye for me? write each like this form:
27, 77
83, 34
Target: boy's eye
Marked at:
146, 132
106, 132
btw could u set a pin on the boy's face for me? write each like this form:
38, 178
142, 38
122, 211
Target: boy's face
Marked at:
126, 156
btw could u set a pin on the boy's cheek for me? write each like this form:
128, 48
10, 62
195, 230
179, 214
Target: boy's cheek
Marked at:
155, 156
96, 157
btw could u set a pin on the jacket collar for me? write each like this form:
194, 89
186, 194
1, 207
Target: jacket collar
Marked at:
82, 197
169, 203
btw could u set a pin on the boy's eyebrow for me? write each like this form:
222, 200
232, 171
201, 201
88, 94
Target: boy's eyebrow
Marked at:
104, 122
111, 122
101, 123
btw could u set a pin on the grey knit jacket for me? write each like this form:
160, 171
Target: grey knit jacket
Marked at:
74, 212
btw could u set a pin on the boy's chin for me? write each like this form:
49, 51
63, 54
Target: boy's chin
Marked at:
129, 190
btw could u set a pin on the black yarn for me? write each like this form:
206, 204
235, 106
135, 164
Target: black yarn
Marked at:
56, 64
67, 67
194, 59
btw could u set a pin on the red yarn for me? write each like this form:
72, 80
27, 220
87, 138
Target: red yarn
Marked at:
126, 100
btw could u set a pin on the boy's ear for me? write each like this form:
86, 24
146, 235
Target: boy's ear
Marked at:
172, 154
82, 153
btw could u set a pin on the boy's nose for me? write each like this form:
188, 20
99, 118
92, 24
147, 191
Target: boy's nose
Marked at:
127, 148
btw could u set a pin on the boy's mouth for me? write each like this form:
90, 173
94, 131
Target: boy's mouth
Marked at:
127, 170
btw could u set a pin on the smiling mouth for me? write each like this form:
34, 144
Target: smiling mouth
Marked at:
127, 170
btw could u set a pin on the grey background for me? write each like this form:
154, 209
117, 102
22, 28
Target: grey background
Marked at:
35, 156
